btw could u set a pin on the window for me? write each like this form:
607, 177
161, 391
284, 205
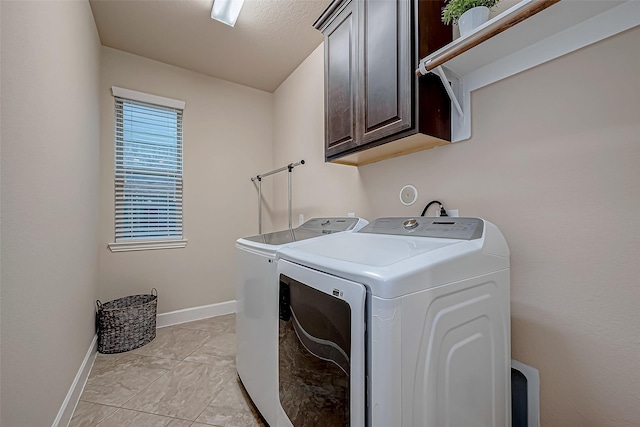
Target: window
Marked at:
148, 172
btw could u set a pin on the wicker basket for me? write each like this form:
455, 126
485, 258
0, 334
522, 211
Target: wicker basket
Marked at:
126, 323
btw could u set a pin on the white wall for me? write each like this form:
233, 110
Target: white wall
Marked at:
553, 162
50, 147
228, 137
319, 188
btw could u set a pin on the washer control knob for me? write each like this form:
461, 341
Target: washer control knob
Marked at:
410, 224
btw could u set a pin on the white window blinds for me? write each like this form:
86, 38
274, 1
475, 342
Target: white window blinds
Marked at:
148, 171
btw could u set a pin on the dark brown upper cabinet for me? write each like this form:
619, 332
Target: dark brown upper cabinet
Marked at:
375, 105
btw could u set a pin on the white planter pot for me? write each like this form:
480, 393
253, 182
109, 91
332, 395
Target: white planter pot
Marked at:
472, 19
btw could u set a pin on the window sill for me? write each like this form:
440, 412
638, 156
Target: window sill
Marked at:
141, 245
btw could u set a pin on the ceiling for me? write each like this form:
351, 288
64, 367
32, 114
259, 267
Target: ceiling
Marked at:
270, 39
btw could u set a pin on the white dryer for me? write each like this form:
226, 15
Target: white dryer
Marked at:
257, 305
404, 323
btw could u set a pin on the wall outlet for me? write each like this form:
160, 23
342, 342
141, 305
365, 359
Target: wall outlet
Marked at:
450, 212
351, 214
300, 219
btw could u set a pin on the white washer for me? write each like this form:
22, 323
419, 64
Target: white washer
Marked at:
404, 323
257, 305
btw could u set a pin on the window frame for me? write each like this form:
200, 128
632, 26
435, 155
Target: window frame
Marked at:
137, 244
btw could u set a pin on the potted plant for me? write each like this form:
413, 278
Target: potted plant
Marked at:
468, 14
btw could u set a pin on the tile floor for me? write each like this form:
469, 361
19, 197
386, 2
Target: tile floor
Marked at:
185, 377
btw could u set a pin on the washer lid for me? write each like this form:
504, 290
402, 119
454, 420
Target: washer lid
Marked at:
393, 265
372, 250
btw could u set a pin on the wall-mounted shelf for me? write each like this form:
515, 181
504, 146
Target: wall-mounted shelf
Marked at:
545, 30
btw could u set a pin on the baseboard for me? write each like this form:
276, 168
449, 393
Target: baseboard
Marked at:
73, 396
195, 313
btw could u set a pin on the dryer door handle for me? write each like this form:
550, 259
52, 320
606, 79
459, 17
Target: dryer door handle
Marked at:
285, 302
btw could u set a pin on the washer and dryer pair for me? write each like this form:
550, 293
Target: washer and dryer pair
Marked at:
402, 323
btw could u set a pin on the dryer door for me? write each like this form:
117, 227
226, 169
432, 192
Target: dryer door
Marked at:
321, 348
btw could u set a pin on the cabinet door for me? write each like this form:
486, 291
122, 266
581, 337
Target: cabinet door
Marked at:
340, 81
386, 77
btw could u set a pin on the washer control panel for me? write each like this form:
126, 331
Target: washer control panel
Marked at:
439, 227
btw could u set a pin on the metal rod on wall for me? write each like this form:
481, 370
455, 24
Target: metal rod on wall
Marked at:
284, 168
259, 206
258, 178
289, 195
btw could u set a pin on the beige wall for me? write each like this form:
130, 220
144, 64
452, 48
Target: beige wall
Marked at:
227, 139
554, 162
50, 126
319, 188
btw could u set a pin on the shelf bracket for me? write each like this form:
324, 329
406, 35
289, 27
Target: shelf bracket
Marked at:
438, 71
455, 87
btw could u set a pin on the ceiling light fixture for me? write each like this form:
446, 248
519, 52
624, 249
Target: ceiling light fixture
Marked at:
226, 11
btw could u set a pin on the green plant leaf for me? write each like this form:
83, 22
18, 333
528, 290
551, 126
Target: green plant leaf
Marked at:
455, 8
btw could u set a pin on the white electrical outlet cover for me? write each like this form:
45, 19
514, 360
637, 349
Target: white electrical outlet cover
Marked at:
408, 195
